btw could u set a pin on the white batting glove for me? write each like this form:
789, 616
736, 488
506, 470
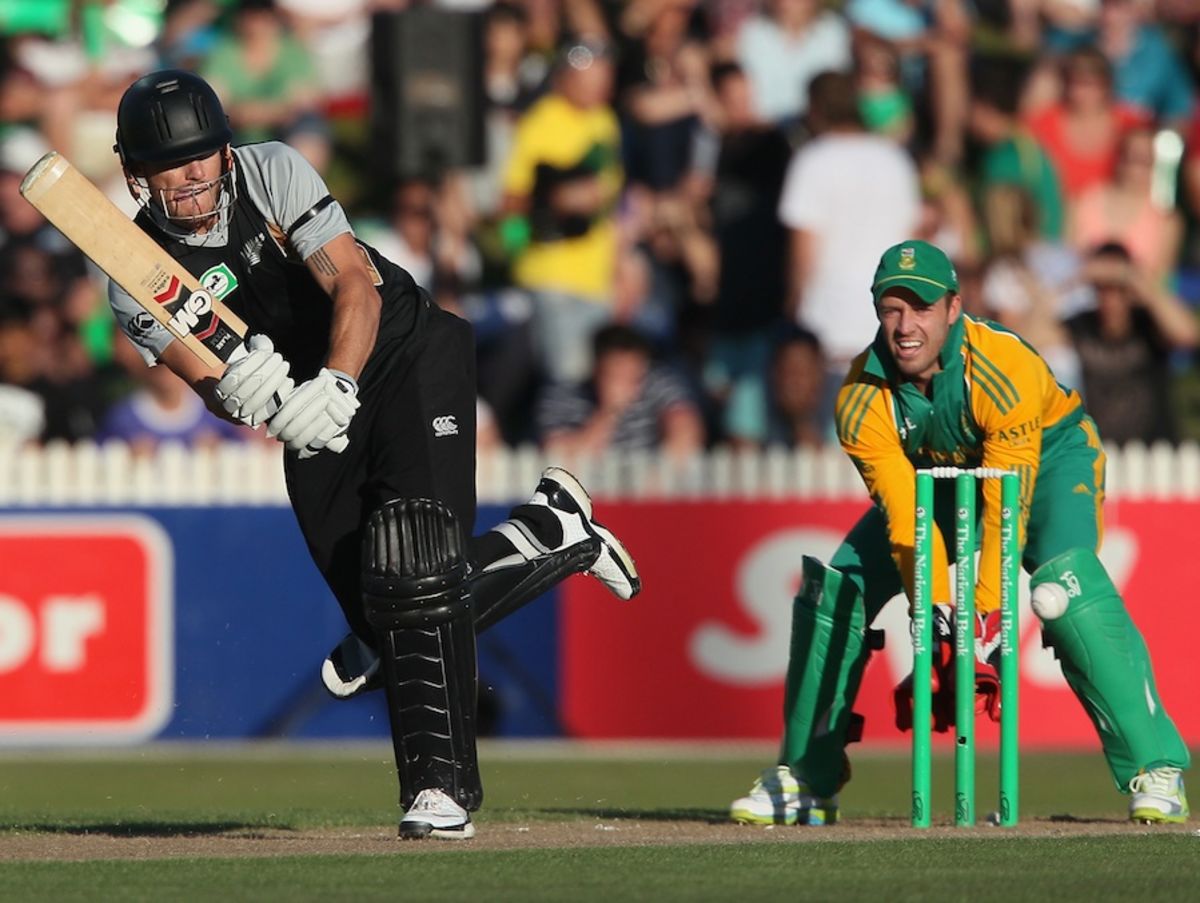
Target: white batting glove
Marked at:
317, 414
253, 387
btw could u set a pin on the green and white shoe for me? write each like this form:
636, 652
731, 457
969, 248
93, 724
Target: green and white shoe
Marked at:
1158, 797
778, 797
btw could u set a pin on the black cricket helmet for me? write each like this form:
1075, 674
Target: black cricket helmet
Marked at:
171, 115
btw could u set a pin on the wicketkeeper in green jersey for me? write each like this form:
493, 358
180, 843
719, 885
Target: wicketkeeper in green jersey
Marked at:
939, 387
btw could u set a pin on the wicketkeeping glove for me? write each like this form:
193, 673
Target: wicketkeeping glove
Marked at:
317, 414
942, 702
987, 659
253, 387
987, 680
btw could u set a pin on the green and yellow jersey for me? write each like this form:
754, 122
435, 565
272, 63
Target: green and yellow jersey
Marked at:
995, 403
556, 140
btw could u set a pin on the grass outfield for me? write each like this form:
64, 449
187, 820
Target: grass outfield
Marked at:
571, 824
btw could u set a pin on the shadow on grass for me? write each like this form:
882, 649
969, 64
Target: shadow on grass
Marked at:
707, 816
141, 828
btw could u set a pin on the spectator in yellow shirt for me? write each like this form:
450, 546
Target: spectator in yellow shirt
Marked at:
561, 186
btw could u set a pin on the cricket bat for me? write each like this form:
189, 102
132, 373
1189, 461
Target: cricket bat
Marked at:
154, 279
131, 259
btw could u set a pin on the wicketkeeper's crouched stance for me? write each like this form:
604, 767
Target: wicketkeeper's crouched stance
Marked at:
940, 387
371, 388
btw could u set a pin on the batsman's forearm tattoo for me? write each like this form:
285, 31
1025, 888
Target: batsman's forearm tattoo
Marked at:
324, 264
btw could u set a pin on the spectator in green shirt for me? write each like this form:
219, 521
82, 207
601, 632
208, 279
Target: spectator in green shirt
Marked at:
269, 83
1012, 156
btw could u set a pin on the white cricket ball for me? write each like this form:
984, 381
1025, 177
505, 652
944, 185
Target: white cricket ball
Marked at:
1049, 601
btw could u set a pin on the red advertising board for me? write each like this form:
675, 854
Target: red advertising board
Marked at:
703, 651
85, 628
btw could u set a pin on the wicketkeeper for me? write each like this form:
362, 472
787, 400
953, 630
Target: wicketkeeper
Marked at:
939, 387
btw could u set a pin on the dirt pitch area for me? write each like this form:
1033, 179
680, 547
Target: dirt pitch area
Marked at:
78, 845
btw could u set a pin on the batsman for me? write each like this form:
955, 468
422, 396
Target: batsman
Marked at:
370, 388
940, 387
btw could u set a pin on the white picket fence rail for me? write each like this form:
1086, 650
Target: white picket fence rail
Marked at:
90, 475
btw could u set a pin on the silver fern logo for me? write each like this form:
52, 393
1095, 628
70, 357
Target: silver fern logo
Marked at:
252, 250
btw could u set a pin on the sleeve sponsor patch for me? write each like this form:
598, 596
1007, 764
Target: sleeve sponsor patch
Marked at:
141, 325
1020, 433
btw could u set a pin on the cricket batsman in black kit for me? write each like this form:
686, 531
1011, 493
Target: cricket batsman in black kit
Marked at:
371, 388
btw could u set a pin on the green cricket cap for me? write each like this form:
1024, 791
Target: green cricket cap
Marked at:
916, 265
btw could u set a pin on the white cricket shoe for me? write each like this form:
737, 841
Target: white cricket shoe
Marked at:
778, 797
572, 505
1158, 797
351, 668
434, 814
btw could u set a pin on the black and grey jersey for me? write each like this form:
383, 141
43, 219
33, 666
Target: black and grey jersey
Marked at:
254, 263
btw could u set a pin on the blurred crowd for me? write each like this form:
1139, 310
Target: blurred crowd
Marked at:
669, 237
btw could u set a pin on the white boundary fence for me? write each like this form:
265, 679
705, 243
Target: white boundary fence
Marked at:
88, 475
